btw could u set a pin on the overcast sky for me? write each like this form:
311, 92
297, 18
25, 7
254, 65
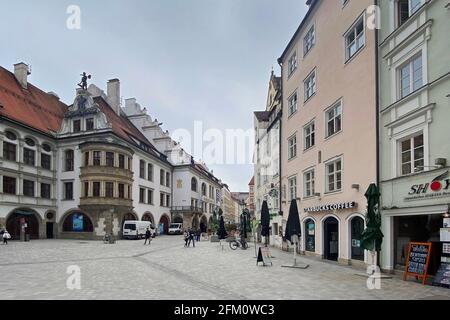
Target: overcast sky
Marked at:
185, 60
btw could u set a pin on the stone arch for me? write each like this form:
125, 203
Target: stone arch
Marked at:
164, 223
148, 216
85, 222
18, 216
178, 219
331, 237
204, 224
195, 222
356, 223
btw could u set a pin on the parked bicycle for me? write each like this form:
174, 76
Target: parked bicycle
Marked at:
238, 244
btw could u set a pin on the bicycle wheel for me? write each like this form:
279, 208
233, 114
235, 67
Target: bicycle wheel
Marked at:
245, 245
234, 245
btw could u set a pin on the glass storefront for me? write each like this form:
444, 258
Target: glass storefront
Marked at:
420, 228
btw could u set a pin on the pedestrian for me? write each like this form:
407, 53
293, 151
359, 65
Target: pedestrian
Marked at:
6, 237
148, 237
186, 238
191, 238
198, 234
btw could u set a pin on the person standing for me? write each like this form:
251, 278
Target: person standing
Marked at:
186, 238
148, 237
198, 234
191, 238
6, 237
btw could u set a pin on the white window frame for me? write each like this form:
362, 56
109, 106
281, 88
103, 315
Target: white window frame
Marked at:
309, 40
311, 181
310, 85
292, 109
292, 188
292, 63
352, 29
310, 135
327, 111
335, 172
292, 147
410, 64
410, 138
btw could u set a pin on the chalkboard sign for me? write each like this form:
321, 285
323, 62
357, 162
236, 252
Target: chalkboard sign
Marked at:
442, 278
418, 260
264, 256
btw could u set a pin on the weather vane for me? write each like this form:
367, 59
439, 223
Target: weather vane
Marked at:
84, 79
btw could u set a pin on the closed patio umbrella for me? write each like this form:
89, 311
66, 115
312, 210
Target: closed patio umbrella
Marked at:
293, 232
222, 232
372, 237
265, 222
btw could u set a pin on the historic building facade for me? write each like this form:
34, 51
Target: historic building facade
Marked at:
80, 171
267, 159
197, 193
414, 111
329, 127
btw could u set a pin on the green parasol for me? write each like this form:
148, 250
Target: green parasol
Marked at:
372, 237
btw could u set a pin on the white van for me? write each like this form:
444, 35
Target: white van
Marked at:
176, 228
136, 229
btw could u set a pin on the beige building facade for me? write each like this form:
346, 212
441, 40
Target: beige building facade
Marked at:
329, 127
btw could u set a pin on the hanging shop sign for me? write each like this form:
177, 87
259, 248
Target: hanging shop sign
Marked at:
439, 187
418, 260
331, 207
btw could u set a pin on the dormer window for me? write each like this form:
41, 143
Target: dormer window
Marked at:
90, 124
76, 125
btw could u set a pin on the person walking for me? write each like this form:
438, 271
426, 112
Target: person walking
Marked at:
198, 234
186, 238
148, 237
6, 237
191, 238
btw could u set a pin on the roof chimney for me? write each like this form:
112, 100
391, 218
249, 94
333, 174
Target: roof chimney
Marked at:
113, 93
22, 72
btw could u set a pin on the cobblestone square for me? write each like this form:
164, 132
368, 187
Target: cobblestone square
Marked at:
167, 270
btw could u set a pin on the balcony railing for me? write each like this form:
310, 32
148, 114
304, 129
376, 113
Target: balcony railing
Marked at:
186, 209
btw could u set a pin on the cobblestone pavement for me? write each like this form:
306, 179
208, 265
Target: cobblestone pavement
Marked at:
167, 270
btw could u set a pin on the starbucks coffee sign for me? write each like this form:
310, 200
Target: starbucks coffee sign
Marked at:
331, 207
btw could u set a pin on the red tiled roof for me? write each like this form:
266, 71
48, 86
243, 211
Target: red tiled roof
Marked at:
44, 112
32, 107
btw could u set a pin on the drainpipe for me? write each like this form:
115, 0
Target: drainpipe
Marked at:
280, 115
377, 108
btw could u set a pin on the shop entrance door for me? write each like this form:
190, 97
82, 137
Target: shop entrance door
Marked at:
49, 230
331, 239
